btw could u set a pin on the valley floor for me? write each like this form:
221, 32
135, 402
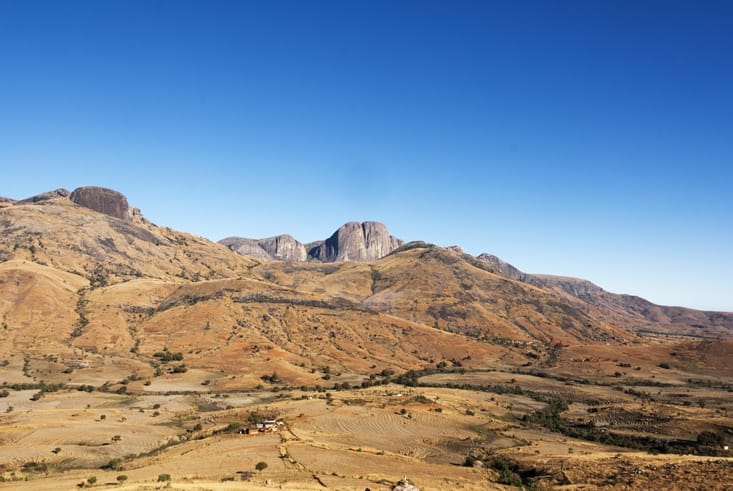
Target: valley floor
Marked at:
450, 430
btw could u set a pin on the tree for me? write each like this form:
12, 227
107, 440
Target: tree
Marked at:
261, 466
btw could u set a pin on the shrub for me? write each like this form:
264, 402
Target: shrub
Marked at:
261, 466
92, 480
507, 469
164, 477
114, 464
35, 467
121, 478
165, 356
709, 439
272, 379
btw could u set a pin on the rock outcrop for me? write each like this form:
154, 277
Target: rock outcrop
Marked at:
353, 241
103, 200
56, 193
284, 248
246, 247
497, 266
405, 485
280, 247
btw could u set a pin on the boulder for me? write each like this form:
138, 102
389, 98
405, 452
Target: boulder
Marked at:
405, 485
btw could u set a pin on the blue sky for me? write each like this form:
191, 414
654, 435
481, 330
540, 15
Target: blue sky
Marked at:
589, 139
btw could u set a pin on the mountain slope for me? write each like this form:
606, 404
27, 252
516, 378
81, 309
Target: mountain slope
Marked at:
438, 287
626, 309
120, 297
59, 233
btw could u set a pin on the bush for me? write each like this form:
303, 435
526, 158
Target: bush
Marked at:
274, 378
165, 356
35, 467
164, 477
92, 480
122, 478
709, 439
114, 464
261, 466
507, 469
232, 427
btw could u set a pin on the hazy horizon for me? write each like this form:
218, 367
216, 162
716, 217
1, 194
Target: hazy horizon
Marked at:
578, 139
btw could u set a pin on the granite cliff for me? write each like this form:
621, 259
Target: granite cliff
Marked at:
353, 241
281, 247
103, 200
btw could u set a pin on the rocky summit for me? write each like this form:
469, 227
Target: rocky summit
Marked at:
281, 247
103, 200
353, 241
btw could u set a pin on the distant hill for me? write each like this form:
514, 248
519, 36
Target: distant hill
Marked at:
623, 308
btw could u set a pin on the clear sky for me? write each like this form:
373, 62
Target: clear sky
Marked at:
589, 139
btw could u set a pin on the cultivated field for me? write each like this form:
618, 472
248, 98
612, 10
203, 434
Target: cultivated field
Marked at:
444, 428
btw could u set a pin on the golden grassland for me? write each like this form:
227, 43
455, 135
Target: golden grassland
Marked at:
128, 349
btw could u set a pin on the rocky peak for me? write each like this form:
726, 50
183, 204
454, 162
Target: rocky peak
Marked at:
281, 247
355, 241
246, 247
102, 200
284, 248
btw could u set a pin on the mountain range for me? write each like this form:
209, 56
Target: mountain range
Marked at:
84, 275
